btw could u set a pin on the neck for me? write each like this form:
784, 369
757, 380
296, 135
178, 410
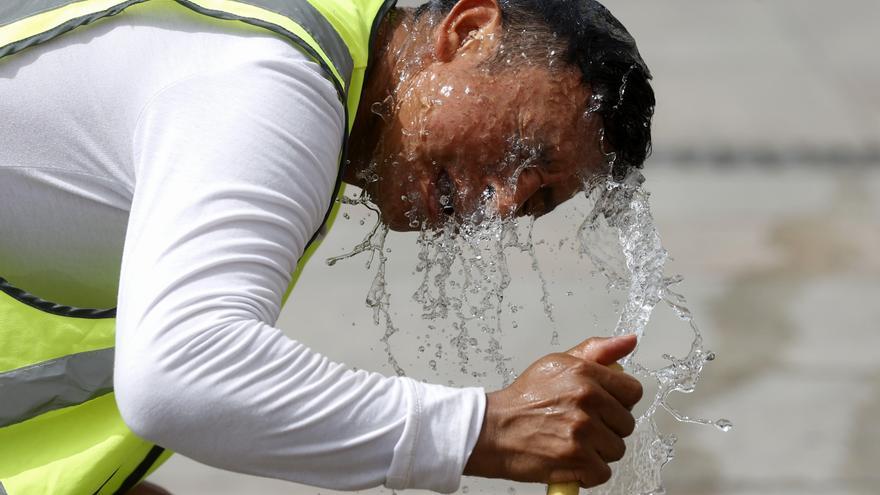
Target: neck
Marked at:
398, 50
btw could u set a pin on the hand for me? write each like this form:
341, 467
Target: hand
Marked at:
563, 420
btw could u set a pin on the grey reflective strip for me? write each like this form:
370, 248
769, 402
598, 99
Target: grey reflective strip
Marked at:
315, 24
2, 490
16, 11
300, 11
20, 10
67, 381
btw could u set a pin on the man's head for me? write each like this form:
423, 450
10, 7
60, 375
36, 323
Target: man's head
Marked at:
503, 104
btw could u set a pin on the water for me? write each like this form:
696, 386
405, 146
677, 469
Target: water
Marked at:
621, 240
378, 297
462, 293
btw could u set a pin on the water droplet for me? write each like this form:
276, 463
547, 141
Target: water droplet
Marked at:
346, 216
724, 425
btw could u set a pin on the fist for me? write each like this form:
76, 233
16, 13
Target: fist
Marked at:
563, 420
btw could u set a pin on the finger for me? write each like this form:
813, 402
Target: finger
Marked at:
623, 387
606, 443
604, 350
617, 417
594, 472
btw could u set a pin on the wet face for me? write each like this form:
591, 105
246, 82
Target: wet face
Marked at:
475, 130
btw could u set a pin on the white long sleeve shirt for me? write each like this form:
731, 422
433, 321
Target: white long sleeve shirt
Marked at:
178, 165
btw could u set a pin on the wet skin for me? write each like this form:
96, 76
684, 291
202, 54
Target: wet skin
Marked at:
457, 128
447, 128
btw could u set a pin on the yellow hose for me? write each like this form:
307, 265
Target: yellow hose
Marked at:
574, 487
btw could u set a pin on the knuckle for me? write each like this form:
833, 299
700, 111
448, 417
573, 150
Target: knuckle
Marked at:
558, 357
585, 391
578, 367
554, 359
580, 423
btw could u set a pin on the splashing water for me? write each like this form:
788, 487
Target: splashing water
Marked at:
378, 297
622, 210
464, 274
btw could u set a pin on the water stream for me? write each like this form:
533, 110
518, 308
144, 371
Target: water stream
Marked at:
621, 240
464, 276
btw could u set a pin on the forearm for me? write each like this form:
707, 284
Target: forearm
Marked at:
241, 396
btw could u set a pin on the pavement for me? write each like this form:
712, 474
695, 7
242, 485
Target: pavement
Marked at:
766, 190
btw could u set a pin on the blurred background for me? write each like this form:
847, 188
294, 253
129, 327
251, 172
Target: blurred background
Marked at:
765, 186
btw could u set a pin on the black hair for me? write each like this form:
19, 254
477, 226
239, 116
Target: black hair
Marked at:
596, 42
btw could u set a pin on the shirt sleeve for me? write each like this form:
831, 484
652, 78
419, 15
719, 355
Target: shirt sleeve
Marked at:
234, 171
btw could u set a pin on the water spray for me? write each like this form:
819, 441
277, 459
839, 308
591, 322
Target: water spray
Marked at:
619, 239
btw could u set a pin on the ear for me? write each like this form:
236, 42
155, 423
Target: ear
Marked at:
468, 22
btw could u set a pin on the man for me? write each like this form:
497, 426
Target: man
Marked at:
178, 162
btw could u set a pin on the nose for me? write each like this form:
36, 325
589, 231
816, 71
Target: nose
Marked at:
527, 195
534, 193
530, 197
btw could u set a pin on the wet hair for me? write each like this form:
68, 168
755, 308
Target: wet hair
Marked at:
597, 43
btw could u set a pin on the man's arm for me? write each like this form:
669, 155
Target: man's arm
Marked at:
234, 172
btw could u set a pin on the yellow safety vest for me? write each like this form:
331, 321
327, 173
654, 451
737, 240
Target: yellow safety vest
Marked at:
60, 430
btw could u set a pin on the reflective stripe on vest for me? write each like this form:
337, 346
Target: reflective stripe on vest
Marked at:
28, 23
60, 430
66, 381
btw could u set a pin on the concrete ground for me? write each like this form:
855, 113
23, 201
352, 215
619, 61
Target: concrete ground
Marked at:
766, 190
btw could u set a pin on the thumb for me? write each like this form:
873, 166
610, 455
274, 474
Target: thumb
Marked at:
604, 350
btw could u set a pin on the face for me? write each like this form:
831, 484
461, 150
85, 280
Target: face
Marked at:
465, 137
